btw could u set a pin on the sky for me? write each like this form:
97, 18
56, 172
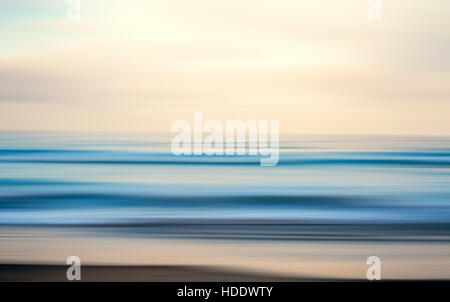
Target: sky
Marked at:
318, 67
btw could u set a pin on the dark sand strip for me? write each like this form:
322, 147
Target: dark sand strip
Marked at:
152, 273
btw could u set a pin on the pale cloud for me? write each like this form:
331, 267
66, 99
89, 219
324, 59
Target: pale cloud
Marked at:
318, 66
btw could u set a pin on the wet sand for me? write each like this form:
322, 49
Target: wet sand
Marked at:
150, 273
130, 254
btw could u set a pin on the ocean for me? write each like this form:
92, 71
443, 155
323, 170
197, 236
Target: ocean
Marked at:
329, 203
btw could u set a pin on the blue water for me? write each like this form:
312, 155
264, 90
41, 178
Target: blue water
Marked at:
110, 179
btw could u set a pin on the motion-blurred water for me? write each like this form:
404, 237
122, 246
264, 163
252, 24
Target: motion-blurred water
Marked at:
87, 179
324, 189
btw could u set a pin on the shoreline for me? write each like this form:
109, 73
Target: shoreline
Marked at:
139, 273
